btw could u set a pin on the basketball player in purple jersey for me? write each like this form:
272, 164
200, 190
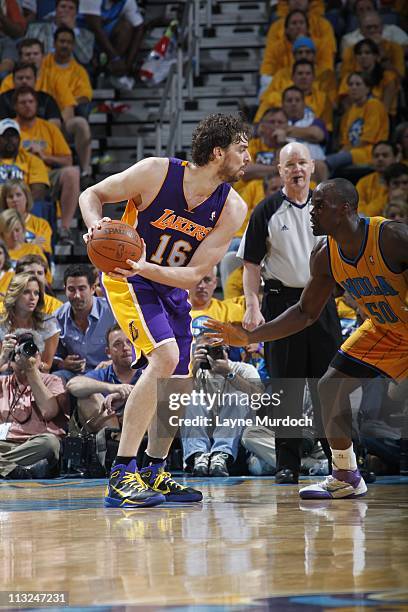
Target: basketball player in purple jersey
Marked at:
187, 214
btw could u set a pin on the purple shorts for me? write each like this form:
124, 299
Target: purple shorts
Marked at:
152, 314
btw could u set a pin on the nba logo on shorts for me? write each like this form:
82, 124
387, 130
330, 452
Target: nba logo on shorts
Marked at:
134, 332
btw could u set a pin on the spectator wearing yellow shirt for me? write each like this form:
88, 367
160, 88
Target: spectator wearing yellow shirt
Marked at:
62, 64
317, 7
320, 28
31, 51
12, 231
50, 81
205, 306
16, 195
46, 141
303, 49
384, 83
364, 124
64, 67
25, 74
372, 188
303, 77
16, 163
34, 264
278, 52
391, 53
6, 269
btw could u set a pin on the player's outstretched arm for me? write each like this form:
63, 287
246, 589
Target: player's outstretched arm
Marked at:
312, 301
209, 253
129, 184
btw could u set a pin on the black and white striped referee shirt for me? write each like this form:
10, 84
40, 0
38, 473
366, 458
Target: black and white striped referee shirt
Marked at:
279, 237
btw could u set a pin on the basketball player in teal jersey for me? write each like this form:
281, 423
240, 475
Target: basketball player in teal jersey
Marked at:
187, 214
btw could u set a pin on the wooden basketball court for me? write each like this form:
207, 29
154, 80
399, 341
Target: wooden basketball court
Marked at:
252, 545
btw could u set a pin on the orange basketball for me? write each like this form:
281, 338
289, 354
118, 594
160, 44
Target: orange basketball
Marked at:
113, 244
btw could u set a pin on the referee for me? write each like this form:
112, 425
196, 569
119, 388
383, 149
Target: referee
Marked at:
277, 245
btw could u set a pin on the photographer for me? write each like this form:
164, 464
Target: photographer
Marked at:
33, 410
207, 453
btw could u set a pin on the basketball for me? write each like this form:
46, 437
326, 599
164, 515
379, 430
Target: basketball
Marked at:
112, 244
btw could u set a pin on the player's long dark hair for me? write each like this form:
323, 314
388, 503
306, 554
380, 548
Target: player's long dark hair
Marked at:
217, 131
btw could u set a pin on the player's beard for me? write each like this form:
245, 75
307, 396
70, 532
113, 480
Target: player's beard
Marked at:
227, 174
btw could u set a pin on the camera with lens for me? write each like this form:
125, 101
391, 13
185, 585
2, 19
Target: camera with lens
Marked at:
215, 352
25, 347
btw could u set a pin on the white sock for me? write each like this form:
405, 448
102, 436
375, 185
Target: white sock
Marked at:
344, 459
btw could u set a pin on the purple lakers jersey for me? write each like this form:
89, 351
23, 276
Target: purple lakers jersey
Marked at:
173, 233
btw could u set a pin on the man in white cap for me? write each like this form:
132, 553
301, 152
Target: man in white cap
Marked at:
16, 163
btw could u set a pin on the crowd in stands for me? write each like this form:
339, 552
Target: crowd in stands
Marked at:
332, 77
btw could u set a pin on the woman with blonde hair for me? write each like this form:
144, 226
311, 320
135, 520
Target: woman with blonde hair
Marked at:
16, 195
12, 231
6, 269
23, 308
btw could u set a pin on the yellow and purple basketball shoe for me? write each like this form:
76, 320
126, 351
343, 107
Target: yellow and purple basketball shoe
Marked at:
126, 489
161, 482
